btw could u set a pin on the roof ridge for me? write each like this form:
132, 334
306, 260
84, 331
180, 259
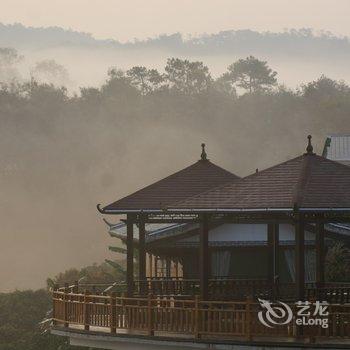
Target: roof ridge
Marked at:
270, 168
176, 174
303, 179
233, 183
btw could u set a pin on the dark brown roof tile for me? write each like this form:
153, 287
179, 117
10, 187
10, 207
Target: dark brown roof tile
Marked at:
197, 178
309, 181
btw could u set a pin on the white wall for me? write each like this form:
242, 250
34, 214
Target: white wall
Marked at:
248, 232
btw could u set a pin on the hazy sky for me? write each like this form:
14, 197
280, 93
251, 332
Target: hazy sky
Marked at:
130, 19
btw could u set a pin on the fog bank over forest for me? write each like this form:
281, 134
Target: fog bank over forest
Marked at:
129, 126
298, 55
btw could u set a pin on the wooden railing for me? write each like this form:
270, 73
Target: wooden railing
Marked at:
167, 286
332, 294
239, 289
224, 289
166, 316
219, 288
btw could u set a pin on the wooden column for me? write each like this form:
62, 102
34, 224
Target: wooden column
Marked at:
300, 259
270, 252
167, 267
204, 257
142, 256
130, 255
156, 266
176, 268
273, 243
276, 240
150, 263
320, 254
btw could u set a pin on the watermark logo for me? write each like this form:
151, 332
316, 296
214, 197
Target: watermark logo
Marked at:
271, 315
306, 313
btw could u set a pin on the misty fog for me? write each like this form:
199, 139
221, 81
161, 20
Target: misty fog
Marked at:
299, 56
88, 68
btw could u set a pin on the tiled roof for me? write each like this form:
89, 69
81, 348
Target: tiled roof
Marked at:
309, 181
197, 178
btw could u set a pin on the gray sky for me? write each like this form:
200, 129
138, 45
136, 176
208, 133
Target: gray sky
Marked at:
124, 20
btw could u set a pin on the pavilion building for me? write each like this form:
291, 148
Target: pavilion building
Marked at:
202, 218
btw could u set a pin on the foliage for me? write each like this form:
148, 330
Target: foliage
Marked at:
21, 313
189, 78
9, 57
338, 263
120, 250
251, 74
96, 273
146, 80
49, 71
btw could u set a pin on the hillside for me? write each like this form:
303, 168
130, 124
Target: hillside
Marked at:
298, 55
299, 42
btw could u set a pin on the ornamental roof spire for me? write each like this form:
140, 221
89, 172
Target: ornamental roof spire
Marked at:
309, 148
204, 154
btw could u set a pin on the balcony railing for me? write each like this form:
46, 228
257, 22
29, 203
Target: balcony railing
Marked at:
224, 289
186, 318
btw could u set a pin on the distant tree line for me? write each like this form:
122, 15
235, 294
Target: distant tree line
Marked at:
299, 42
244, 107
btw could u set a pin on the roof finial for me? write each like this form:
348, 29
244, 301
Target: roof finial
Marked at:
203, 155
309, 148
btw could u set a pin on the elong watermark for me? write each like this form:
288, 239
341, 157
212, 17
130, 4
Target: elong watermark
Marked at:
305, 314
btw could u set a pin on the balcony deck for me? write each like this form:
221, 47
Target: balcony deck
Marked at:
191, 319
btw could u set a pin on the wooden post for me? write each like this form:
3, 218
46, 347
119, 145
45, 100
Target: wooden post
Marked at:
66, 305
276, 239
276, 260
55, 288
196, 317
156, 266
113, 313
130, 255
125, 320
76, 287
248, 313
142, 257
168, 267
299, 259
150, 315
300, 264
176, 268
270, 251
204, 258
86, 310
320, 254
150, 259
